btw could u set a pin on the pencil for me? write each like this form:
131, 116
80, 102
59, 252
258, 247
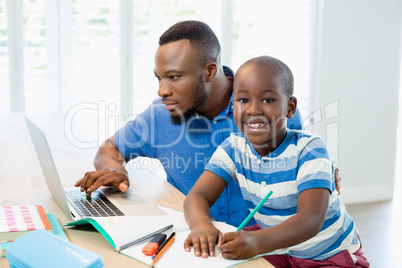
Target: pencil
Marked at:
144, 238
167, 245
246, 220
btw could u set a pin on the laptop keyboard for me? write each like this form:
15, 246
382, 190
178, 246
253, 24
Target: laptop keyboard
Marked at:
95, 206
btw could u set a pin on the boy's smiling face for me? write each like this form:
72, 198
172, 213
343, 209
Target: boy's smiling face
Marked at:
261, 107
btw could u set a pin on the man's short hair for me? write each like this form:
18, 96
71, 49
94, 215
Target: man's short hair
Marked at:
284, 73
201, 38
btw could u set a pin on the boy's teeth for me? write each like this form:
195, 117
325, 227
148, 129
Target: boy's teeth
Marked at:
255, 125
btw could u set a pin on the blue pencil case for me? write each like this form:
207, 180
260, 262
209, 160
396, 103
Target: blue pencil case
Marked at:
43, 249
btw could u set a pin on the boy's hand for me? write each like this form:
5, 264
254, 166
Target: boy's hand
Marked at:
203, 238
239, 245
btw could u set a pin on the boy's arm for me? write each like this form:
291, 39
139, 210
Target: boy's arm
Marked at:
312, 208
311, 211
202, 196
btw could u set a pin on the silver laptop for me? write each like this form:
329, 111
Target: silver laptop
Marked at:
104, 202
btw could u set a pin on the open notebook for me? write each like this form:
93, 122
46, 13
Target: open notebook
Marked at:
122, 230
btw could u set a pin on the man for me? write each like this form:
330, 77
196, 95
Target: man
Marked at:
184, 127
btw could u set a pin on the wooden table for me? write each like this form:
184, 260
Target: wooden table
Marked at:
22, 181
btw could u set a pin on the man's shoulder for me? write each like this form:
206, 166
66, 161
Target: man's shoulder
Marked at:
303, 134
306, 140
155, 112
156, 108
157, 101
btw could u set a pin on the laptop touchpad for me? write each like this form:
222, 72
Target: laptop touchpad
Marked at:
128, 199
131, 203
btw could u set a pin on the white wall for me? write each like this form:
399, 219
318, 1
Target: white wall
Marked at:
357, 87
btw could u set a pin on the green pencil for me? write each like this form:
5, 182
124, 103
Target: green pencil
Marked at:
246, 220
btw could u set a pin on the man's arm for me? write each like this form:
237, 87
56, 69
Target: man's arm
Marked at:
109, 164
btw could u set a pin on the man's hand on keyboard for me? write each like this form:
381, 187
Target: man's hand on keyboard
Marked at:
109, 176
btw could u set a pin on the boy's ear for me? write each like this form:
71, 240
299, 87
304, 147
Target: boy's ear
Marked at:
292, 104
210, 71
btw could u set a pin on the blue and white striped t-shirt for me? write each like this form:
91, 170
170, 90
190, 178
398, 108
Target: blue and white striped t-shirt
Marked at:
300, 162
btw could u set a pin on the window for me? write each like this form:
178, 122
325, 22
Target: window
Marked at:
95, 52
78, 51
71, 53
37, 96
4, 60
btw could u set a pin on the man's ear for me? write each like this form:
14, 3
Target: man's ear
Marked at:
210, 71
292, 104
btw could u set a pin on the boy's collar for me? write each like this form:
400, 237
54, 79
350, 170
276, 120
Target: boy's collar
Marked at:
278, 151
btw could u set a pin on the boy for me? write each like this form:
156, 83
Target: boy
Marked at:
304, 213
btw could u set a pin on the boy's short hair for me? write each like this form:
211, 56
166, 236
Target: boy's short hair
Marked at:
201, 38
281, 69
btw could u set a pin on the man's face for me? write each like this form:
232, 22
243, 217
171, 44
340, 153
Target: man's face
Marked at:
181, 80
260, 107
